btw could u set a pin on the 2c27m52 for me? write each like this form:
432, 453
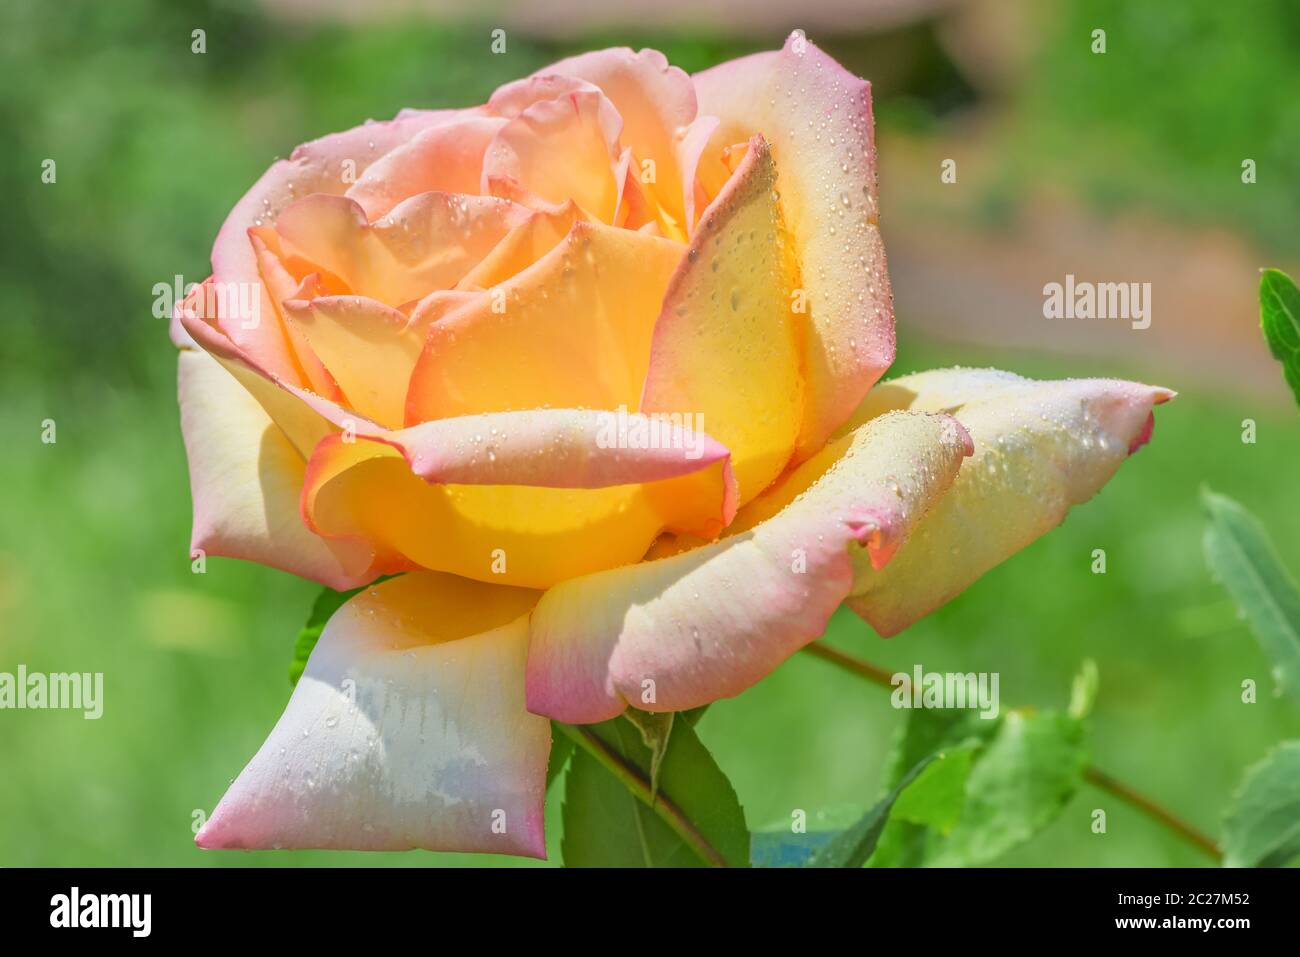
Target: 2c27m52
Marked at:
1192, 897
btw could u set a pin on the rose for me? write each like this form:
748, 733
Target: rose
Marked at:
455, 311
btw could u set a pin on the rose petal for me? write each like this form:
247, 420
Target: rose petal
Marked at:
326, 165
370, 350
446, 158
525, 498
725, 346
1040, 447
523, 246
510, 100
245, 479
817, 118
703, 174
560, 150
433, 307
304, 416
680, 632
407, 729
425, 243
656, 102
571, 331
553, 448
281, 284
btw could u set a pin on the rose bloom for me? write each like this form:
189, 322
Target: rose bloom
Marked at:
593, 366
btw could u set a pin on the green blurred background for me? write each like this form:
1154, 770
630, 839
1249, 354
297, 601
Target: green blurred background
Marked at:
1068, 160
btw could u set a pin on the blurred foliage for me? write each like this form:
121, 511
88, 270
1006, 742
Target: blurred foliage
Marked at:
154, 144
1164, 118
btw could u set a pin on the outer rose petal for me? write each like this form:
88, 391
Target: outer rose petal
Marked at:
526, 498
709, 623
245, 478
407, 729
553, 448
304, 416
315, 167
424, 243
656, 102
571, 331
1040, 447
446, 158
817, 118
726, 346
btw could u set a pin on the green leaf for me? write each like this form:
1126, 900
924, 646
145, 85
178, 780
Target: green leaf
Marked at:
1022, 780
936, 798
1279, 317
605, 825
924, 731
1262, 825
327, 603
852, 847
1015, 775
561, 751
1242, 557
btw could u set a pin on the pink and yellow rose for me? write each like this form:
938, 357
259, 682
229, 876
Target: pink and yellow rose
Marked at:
450, 309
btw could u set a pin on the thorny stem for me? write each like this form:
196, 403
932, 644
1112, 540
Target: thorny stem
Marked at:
640, 788
1100, 779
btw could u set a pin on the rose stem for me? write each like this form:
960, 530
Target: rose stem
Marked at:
1099, 778
633, 780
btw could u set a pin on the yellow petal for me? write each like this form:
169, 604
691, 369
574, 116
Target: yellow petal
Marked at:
524, 245
369, 348
520, 498
817, 118
709, 623
726, 346
571, 331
